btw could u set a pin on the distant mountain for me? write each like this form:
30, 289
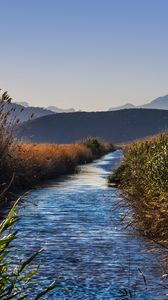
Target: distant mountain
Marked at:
50, 108
23, 103
23, 114
158, 103
125, 106
60, 110
119, 126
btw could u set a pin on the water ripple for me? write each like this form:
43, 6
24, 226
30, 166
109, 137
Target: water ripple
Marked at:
74, 220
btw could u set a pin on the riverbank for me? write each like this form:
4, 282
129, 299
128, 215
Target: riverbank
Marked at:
24, 165
143, 177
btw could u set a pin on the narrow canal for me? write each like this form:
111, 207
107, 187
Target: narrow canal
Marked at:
84, 240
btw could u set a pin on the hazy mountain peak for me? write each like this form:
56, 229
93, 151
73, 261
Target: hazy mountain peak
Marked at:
23, 103
125, 106
60, 110
158, 103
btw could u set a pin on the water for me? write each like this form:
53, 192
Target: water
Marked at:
74, 220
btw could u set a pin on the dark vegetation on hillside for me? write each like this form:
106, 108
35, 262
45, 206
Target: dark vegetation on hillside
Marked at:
118, 126
143, 176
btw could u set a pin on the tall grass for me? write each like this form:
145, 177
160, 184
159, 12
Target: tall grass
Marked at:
23, 165
26, 164
143, 176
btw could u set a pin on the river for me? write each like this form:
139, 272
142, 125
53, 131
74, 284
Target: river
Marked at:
77, 220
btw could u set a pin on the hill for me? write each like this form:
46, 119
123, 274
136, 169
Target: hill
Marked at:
158, 103
24, 113
119, 126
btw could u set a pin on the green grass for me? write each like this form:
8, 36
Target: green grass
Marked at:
18, 279
143, 176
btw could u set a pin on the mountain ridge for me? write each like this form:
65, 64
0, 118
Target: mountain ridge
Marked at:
120, 126
158, 103
24, 113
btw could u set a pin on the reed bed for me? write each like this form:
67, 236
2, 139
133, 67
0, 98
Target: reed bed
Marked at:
24, 165
143, 177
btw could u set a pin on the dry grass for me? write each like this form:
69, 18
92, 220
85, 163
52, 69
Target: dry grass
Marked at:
43, 160
24, 165
27, 164
143, 176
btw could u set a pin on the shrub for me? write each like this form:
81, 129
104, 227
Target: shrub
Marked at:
97, 147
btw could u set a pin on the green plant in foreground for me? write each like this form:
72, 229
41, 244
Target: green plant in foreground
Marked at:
17, 280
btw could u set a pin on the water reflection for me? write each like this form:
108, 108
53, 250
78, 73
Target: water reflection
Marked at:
73, 219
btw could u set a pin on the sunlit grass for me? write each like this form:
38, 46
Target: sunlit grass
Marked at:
23, 165
143, 175
27, 164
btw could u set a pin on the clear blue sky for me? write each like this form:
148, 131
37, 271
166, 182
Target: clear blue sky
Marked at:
87, 54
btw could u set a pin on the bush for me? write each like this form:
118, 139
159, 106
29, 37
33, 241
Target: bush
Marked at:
97, 147
116, 177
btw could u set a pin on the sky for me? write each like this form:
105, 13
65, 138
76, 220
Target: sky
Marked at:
86, 54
